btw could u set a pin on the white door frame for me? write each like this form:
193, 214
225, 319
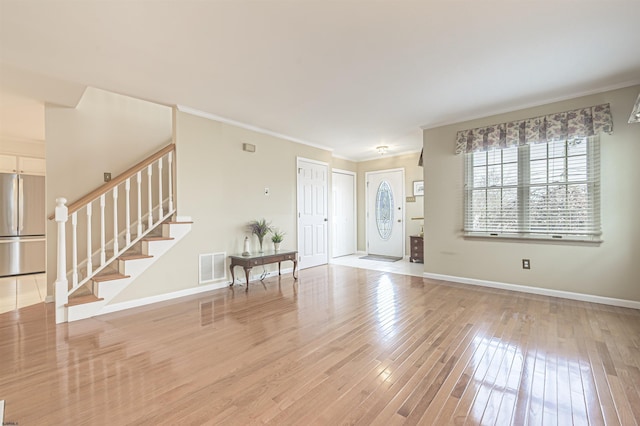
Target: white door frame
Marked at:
326, 199
366, 207
355, 207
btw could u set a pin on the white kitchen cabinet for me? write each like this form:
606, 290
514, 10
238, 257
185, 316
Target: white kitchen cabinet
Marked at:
25, 165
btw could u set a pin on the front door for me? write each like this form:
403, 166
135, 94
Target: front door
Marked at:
385, 212
312, 213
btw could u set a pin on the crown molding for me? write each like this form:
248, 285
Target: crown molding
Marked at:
533, 104
251, 127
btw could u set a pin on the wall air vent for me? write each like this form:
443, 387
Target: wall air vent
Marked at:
212, 267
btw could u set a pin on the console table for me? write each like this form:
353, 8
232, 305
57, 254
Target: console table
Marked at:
257, 259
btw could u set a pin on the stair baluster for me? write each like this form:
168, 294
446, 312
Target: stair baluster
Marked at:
74, 249
150, 197
127, 208
115, 221
89, 250
160, 211
139, 182
103, 253
170, 173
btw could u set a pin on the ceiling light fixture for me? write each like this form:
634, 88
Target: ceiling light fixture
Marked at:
382, 149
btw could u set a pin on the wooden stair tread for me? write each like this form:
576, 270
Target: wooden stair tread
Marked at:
81, 300
134, 256
178, 223
109, 277
157, 238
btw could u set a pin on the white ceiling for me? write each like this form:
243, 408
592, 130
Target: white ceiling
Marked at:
349, 75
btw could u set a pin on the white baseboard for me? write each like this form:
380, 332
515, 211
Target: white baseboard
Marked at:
537, 290
161, 297
180, 293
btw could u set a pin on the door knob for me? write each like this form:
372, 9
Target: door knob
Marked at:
325, 219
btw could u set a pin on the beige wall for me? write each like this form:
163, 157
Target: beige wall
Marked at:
106, 132
222, 188
412, 172
342, 164
610, 269
34, 149
21, 126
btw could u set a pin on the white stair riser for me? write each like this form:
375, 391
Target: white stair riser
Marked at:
157, 248
134, 267
86, 310
175, 230
109, 289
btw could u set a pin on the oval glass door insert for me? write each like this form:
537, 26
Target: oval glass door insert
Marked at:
384, 210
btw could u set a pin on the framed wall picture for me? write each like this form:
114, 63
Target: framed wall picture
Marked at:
418, 187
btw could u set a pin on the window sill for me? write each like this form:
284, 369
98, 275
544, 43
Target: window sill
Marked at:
546, 238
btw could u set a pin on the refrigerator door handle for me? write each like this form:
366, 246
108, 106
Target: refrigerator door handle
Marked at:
14, 206
21, 205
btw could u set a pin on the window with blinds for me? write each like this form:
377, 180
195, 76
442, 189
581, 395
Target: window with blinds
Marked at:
545, 190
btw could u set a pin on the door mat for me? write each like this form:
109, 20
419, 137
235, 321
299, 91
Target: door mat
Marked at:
381, 258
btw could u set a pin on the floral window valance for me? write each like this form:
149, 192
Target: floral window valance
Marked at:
573, 124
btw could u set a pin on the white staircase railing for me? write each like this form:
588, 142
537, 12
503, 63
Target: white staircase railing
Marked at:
114, 225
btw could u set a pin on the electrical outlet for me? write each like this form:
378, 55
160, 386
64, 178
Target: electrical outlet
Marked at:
526, 264
107, 176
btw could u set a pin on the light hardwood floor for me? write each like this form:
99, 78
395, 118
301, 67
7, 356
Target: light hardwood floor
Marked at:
340, 346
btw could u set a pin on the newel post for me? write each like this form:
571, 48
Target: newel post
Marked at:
62, 285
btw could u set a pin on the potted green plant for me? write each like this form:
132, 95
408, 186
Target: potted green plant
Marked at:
260, 228
276, 237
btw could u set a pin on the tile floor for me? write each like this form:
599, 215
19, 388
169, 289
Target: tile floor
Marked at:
24, 290
403, 266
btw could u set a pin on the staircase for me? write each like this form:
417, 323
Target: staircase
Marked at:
89, 300
139, 232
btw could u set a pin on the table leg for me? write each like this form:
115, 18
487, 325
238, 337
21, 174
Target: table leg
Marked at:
233, 276
246, 274
295, 265
279, 268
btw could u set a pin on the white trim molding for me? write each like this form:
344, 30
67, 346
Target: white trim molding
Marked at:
183, 293
214, 117
537, 290
161, 297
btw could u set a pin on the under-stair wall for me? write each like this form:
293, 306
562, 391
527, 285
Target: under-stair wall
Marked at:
130, 266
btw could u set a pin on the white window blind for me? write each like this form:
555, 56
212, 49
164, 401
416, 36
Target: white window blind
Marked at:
545, 190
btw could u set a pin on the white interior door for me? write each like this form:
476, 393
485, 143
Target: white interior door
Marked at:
312, 213
343, 220
385, 212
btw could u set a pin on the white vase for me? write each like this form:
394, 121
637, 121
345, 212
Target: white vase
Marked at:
276, 246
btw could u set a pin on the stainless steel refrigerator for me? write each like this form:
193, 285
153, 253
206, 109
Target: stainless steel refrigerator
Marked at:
22, 224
